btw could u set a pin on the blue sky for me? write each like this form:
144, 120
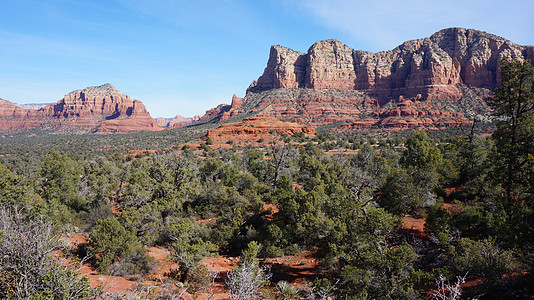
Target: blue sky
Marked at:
184, 57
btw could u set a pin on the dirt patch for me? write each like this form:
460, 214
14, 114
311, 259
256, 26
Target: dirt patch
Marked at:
162, 258
109, 283
222, 265
140, 152
413, 226
300, 270
76, 240
270, 210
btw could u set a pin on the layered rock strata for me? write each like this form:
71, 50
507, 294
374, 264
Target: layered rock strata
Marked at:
430, 66
435, 82
100, 109
259, 128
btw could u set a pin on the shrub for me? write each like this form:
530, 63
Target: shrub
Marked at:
287, 291
273, 251
292, 249
27, 268
110, 243
198, 278
483, 258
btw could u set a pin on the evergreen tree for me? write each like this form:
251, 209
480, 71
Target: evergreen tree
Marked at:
514, 149
514, 103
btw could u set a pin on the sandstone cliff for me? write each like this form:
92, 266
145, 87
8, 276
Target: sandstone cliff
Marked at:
445, 77
430, 66
94, 109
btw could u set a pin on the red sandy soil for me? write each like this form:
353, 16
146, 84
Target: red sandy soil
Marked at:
223, 265
161, 256
414, 226
107, 282
300, 270
207, 221
270, 210
450, 189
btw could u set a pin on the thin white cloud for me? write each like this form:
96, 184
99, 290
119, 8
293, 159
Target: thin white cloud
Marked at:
384, 24
27, 43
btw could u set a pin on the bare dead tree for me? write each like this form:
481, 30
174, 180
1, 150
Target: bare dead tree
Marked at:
448, 291
26, 254
213, 275
245, 282
322, 293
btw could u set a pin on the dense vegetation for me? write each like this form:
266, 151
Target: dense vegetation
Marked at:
345, 208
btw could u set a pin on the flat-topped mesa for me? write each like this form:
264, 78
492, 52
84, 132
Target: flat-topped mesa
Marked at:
430, 66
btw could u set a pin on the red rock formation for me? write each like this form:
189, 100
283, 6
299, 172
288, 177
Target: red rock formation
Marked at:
162, 122
434, 82
285, 69
136, 118
101, 108
222, 112
177, 121
430, 66
214, 113
250, 130
330, 65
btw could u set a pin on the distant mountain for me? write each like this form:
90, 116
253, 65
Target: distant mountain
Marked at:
99, 109
435, 82
34, 106
177, 121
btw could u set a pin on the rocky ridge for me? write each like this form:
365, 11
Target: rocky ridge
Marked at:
430, 66
101, 109
435, 82
261, 128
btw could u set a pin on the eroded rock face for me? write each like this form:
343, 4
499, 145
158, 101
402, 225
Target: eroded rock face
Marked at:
430, 66
435, 82
286, 68
251, 130
100, 108
330, 65
353, 110
222, 112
